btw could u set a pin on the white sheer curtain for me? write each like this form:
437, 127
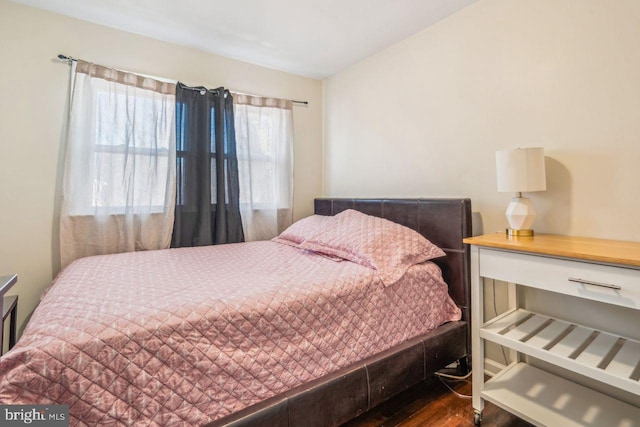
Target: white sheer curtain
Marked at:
264, 141
119, 177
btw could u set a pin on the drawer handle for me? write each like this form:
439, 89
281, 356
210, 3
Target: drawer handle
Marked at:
602, 285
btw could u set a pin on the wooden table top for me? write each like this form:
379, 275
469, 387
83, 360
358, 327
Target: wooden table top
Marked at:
586, 248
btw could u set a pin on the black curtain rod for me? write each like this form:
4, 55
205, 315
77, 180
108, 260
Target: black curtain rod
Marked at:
66, 58
69, 60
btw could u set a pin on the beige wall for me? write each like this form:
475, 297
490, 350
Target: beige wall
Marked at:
33, 97
425, 116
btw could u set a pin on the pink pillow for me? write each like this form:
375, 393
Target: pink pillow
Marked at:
297, 232
374, 242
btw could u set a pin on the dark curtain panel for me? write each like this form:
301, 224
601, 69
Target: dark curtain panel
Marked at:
207, 196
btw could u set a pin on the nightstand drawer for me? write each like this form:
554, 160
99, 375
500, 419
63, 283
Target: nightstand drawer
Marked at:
613, 285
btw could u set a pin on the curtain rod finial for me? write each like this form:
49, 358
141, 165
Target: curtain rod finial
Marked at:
65, 58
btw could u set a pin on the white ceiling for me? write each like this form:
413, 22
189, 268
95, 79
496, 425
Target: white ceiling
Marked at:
314, 38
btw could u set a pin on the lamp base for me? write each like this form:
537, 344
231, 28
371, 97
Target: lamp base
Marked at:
519, 233
520, 214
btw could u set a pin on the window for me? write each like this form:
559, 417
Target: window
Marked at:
130, 160
264, 135
118, 190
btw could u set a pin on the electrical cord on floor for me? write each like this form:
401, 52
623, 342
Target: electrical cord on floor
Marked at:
441, 377
444, 376
454, 377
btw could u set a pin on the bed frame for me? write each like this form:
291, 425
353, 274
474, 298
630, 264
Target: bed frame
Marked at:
340, 396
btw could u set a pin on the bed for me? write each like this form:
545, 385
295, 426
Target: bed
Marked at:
144, 339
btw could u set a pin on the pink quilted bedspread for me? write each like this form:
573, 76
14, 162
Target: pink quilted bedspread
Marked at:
186, 336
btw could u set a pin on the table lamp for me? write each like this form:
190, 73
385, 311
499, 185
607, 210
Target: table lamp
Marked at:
518, 171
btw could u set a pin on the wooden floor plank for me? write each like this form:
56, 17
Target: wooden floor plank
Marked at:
431, 403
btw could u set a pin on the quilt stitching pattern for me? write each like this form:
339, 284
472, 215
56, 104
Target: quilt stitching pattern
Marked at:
186, 336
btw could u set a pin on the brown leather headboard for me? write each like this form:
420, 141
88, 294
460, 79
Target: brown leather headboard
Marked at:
445, 222
342, 395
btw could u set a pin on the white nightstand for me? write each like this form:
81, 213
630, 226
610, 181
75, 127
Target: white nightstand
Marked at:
569, 368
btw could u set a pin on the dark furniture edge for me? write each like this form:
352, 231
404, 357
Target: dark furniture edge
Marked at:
343, 395
7, 282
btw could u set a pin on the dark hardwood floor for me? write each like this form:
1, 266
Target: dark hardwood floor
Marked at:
431, 403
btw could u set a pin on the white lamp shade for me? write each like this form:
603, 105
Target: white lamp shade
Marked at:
521, 170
